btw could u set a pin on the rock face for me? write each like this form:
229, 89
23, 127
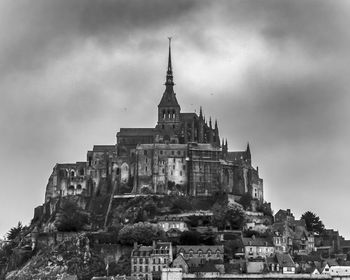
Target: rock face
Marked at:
72, 257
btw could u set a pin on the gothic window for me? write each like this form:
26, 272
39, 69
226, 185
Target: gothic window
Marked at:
72, 173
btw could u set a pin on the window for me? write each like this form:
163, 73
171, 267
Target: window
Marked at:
140, 268
163, 170
173, 167
146, 268
184, 167
174, 160
172, 152
145, 152
135, 268
178, 152
141, 260
146, 160
135, 260
146, 168
161, 152
180, 173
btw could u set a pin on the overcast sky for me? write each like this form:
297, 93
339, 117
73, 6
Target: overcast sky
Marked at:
274, 73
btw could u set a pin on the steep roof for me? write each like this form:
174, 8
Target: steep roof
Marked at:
136, 131
103, 148
204, 248
285, 260
257, 241
169, 98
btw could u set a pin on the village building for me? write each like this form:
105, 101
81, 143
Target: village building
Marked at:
257, 248
147, 261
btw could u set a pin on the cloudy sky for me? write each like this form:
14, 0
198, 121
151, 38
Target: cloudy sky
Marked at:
274, 73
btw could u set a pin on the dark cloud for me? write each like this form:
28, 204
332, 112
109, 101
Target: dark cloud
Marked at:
74, 72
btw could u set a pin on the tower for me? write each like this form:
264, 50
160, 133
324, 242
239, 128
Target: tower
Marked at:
169, 108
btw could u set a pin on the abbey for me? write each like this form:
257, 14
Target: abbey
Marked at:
181, 154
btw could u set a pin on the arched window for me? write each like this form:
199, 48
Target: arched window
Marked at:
71, 190
163, 114
72, 173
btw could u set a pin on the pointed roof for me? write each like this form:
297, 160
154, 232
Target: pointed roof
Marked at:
248, 148
169, 97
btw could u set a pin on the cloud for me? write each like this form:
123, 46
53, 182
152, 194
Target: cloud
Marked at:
274, 73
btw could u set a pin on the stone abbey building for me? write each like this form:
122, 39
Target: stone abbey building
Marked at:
182, 155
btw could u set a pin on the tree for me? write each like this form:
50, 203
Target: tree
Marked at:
142, 233
246, 200
14, 231
190, 238
70, 217
231, 216
313, 222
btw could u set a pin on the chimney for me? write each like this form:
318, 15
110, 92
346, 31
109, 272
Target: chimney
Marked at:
135, 245
288, 212
154, 244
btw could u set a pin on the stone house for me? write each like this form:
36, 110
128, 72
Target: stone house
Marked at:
255, 247
147, 261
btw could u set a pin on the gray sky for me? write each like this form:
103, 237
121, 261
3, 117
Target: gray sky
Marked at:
274, 73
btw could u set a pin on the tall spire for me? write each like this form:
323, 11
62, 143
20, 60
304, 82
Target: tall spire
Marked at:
169, 74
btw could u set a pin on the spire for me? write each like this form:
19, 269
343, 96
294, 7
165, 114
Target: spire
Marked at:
216, 125
223, 144
200, 112
226, 144
169, 96
210, 123
248, 151
169, 74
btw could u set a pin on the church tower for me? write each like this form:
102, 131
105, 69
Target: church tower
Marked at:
169, 108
